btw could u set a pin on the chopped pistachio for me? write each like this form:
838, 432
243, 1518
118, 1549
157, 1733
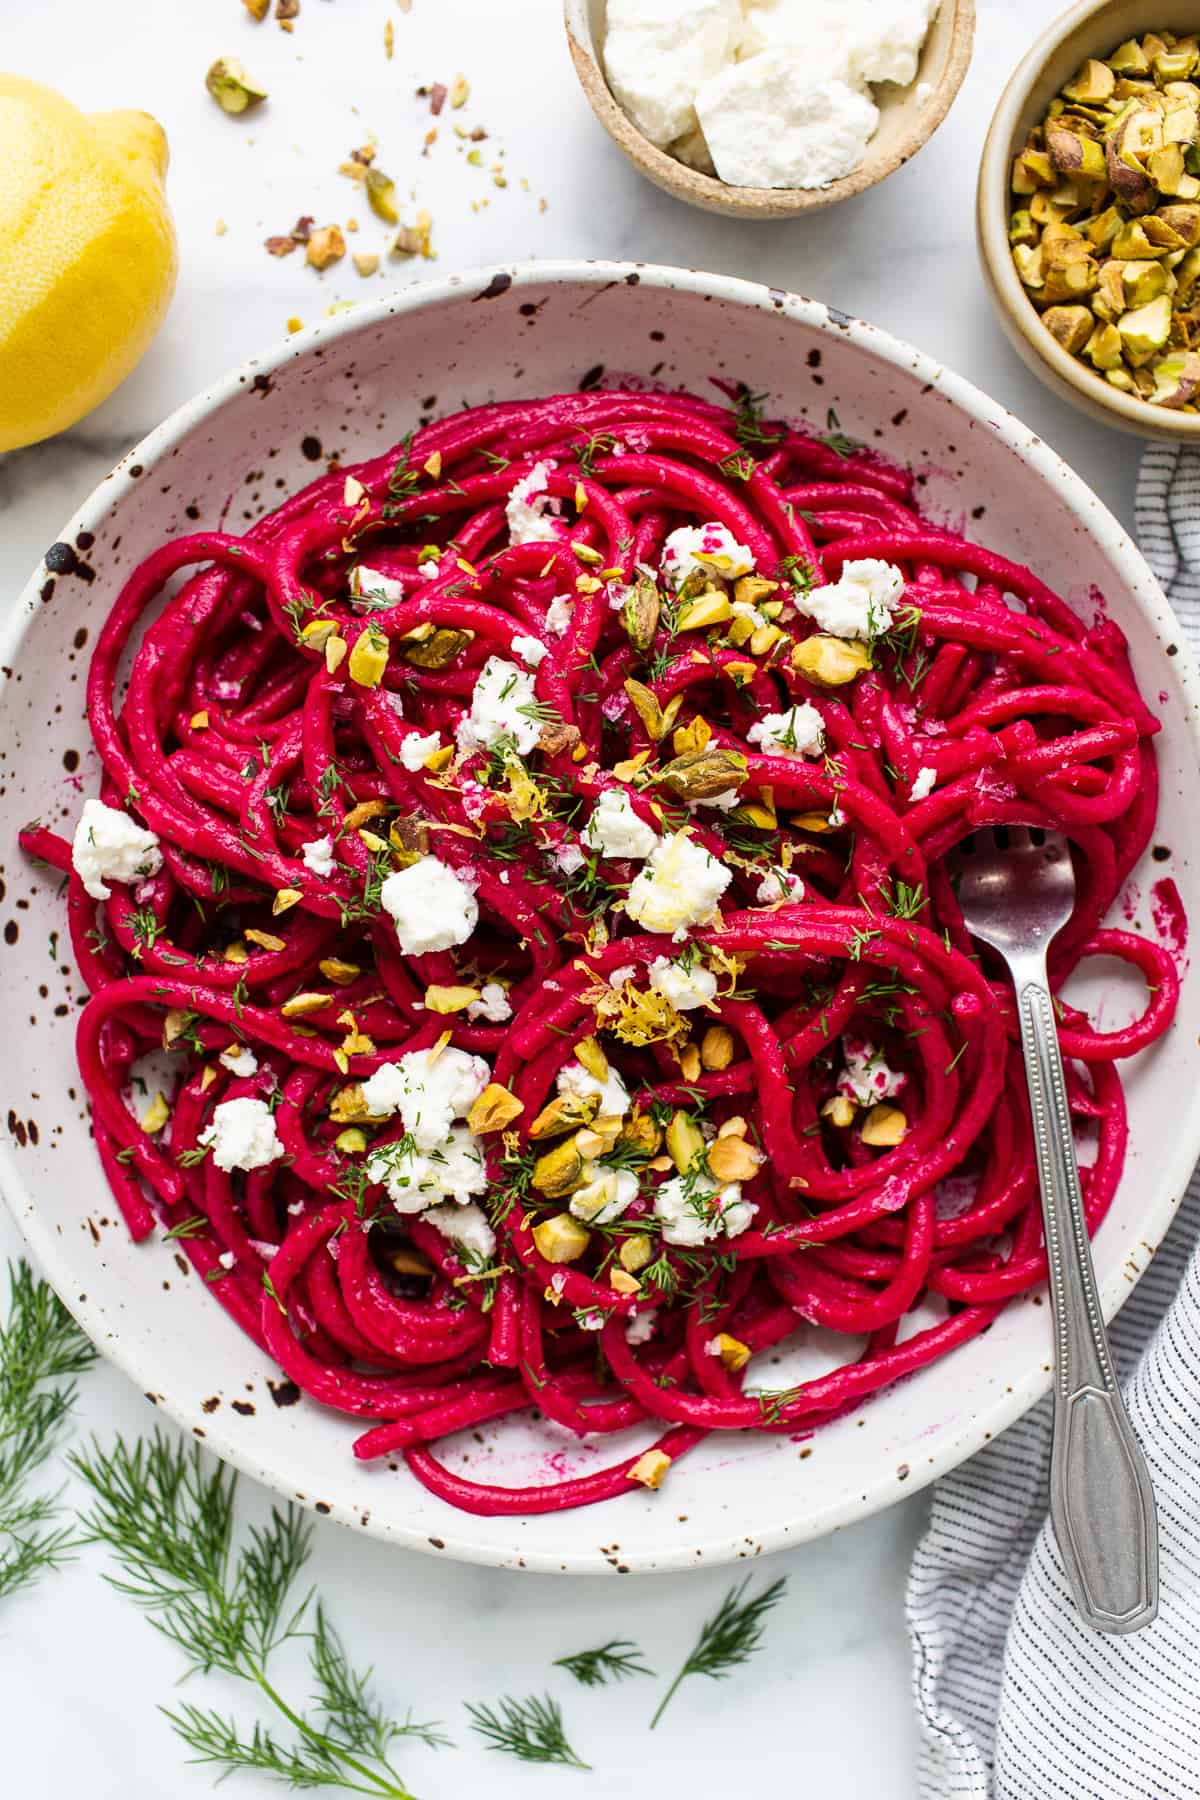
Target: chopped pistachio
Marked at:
300, 1005
155, 1115
351, 1142
1129, 59
369, 657
493, 1110
733, 1159
1070, 326
1104, 347
564, 1113
1146, 329
707, 609
831, 661
635, 1252
325, 246
561, 1239
840, 1110
1021, 227
716, 1047
559, 1171
884, 1126
1093, 81
731, 1352
230, 86
381, 196
650, 1468
1176, 380
589, 1053
684, 1141
449, 999
339, 972
705, 774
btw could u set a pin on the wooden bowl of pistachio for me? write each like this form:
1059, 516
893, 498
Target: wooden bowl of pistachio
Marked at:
1088, 212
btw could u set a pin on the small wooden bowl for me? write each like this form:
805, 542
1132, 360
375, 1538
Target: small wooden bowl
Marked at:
1092, 28
905, 122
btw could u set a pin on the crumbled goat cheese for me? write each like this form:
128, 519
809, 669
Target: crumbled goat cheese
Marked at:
888, 40
679, 886
711, 548
569, 858
372, 584
767, 125
559, 614
606, 1196
240, 1060
493, 1004
723, 802
860, 603
242, 1135
693, 1210
416, 747
432, 906
573, 1078
778, 885
923, 784
502, 705
109, 845
428, 570
618, 977
640, 1326
451, 1169
528, 508
798, 732
615, 828
317, 855
658, 52
429, 1092
866, 1076
531, 650
465, 1226
686, 989
590, 1318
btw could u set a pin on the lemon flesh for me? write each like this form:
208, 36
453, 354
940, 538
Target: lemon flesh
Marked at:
87, 255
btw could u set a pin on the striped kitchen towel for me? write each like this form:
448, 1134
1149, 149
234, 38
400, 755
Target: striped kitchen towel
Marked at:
1016, 1699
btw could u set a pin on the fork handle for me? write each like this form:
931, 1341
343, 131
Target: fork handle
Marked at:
1101, 1500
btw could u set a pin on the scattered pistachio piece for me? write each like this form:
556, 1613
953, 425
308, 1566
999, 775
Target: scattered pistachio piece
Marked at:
155, 1115
494, 1109
561, 1239
231, 87
651, 1468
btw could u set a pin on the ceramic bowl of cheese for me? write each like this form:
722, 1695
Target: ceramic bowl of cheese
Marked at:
908, 115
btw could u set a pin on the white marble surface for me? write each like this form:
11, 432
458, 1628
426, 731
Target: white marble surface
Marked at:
824, 1708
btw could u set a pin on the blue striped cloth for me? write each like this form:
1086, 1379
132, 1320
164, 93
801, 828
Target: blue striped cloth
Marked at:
1016, 1699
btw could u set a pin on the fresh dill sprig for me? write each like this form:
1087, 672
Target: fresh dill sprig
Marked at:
169, 1522
41, 1350
531, 1730
729, 1638
611, 1662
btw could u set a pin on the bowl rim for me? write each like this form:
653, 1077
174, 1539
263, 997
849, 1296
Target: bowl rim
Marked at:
726, 1543
991, 212
709, 191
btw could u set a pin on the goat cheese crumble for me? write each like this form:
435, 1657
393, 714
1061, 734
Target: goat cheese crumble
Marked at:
923, 784
372, 584
240, 1060
242, 1135
493, 1004
110, 846
711, 548
657, 53
686, 989
466, 1226
531, 650
615, 828
693, 1210
678, 888
502, 706
860, 603
416, 747
613, 1095
429, 1092
606, 1196
414, 1178
798, 732
866, 1076
527, 509
432, 906
317, 855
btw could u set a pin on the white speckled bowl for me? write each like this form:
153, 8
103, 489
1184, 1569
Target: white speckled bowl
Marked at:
352, 387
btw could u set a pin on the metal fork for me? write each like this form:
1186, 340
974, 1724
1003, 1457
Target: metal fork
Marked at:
1016, 888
